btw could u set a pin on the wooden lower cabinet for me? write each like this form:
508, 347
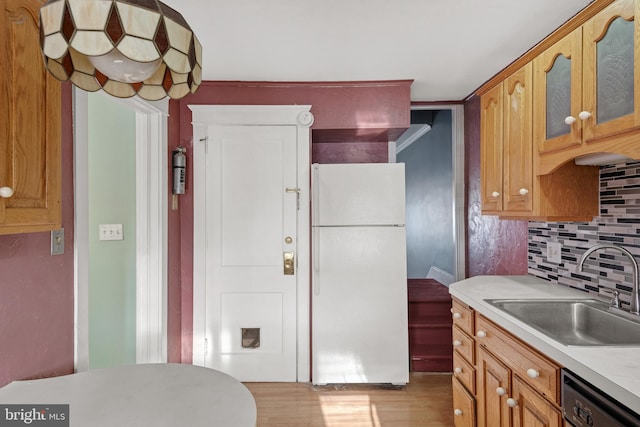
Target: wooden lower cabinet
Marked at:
493, 378
464, 406
532, 410
516, 385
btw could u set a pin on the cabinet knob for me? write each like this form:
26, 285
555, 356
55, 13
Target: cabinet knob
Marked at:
523, 191
457, 315
501, 391
458, 370
570, 120
457, 343
495, 194
532, 373
6, 192
481, 334
584, 115
457, 412
511, 402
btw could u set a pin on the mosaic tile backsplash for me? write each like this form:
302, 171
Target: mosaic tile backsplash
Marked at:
618, 223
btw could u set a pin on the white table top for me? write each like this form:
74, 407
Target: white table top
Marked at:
158, 395
615, 370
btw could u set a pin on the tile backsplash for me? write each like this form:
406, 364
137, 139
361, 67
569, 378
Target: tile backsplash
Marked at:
618, 223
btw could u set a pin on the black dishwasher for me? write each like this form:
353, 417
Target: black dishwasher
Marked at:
584, 405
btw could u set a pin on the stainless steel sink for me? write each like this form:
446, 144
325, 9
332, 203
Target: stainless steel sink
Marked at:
574, 322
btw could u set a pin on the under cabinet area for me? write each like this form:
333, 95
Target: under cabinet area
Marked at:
30, 123
498, 380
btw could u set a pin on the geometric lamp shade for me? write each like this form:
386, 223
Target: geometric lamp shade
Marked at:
125, 47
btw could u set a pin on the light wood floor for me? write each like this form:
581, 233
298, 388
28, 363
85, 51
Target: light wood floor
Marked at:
426, 402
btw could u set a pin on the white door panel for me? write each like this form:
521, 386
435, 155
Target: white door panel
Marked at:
249, 216
250, 167
252, 197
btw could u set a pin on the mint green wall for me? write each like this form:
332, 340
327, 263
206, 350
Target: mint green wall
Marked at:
112, 264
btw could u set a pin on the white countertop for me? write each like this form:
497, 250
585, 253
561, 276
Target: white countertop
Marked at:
615, 370
158, 395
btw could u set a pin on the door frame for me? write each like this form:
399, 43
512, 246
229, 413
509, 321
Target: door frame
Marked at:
248, 115
151, 228
457, 146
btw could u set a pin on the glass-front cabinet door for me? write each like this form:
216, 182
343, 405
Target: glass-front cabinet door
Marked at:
558, 94
611, 72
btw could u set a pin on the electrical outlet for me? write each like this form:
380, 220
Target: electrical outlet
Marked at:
554, 250
110, 232
57, 242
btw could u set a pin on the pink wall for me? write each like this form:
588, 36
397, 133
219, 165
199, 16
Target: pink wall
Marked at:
36, 288
355, 119
494, 246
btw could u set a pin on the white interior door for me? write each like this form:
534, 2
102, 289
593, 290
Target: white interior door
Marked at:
250, 192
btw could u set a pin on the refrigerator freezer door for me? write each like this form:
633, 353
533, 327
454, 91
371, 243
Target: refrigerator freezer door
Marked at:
360, 330
358, 194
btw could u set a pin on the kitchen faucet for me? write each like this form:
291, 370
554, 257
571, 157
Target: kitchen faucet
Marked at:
635, 298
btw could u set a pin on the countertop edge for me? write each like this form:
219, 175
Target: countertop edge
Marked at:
579, 360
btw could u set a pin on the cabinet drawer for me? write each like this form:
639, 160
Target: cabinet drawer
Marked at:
464, 406
462, 316
464, 344
464, 372
535, 369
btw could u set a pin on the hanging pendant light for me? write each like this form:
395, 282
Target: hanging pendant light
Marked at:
125, 47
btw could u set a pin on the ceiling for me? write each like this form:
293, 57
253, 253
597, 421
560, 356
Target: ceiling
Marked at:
448, 47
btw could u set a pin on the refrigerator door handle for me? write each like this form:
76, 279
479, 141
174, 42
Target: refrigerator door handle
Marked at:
315, 237
316, 261
315, 196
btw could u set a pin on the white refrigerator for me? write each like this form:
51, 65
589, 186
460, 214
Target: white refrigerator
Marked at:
359, 267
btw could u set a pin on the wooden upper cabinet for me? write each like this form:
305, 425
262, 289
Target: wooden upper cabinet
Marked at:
558, 86
518, 161
585, 97
29, 125
506, 146
611, 71
491, 150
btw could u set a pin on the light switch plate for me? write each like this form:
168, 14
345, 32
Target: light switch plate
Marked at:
554, 250
110, 232
57, 242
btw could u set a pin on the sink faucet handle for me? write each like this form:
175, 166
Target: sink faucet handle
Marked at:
615, 299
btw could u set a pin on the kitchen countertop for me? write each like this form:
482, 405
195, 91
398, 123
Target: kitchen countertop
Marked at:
615, 370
